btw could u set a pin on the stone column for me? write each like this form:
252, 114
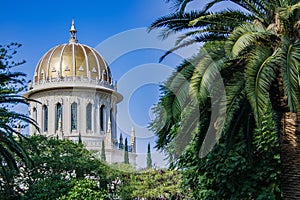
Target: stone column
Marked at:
67, 117
51, 117
83, 117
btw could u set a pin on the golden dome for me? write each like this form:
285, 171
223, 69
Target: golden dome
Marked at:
72, 66
72, 60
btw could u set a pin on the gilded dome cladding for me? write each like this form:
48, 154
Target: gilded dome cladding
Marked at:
72, 60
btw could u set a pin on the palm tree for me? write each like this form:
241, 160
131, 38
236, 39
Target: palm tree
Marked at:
11, 84
257, 54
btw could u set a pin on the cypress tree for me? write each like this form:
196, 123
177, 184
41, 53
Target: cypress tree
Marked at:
126, 158
149, 160
103, 157
121, 142
79, 139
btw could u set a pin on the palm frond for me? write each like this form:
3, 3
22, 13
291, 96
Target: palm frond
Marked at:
291, 73
170, 106
248, 35
207, 71
229, 18
179, 5
189, 123
260, 73
287, 11
183, 5
11, 84
174, 101
176, 21
199, 39
256, 7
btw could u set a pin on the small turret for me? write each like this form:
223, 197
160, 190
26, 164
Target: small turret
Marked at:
133, 139
108, 141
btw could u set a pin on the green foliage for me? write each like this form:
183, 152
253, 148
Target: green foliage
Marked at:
103, 157
57, 164
11, 84
9, 189
126, 156
153, 184
85, 189
121, 168
51, 187
149, 160
234, 173
12, 153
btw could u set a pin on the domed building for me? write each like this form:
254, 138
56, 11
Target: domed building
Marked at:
75, 98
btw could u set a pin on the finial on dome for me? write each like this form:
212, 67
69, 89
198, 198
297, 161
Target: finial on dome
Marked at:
73, 31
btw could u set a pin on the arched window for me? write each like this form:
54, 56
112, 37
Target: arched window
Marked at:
104, 75
102, 118
58, 116
45, 118
74, 116
111, 118
89, 117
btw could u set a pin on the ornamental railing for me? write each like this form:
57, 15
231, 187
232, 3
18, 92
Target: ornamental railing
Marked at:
80, 80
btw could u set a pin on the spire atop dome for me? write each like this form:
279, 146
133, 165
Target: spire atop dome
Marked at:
73, 31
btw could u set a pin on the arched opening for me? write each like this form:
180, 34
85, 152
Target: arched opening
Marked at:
74, 116
104, 75
89, 117
111, 117
45, 118
102, 118
58, 116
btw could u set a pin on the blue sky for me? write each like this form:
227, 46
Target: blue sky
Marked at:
39, 25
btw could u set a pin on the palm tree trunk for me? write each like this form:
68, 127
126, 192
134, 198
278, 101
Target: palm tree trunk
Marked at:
290, 156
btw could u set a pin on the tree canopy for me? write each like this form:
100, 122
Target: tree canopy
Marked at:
12, 83
60, 166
